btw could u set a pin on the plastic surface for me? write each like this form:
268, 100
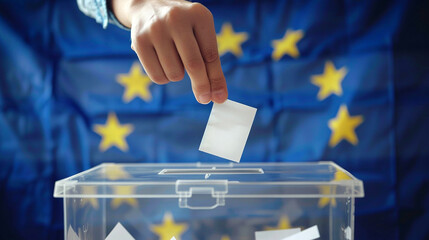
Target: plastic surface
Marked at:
211, 200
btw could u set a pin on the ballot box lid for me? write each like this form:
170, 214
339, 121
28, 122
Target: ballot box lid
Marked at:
221, 180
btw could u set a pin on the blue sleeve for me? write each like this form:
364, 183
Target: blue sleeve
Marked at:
98, 9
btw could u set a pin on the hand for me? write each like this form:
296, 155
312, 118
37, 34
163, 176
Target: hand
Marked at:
170, 35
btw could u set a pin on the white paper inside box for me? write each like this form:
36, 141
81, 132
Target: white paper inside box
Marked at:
209, 201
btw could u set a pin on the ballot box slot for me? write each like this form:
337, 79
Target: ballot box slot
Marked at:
220, 171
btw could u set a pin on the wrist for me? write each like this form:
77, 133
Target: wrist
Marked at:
124, 10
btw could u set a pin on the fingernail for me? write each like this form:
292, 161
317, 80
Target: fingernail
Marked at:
204, 98
219, 96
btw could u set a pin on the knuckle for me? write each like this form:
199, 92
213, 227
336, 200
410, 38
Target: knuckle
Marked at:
194, 64
210, 55
141, 38
156, 27
217, 83
199, 87
176, 76
174, 15
139, 41
199, 9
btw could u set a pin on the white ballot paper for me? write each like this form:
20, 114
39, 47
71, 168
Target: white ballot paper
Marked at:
348, 233
119, 233
72, 235
276, 234
227, 130
308, 234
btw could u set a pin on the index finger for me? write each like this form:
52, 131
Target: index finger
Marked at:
206, 37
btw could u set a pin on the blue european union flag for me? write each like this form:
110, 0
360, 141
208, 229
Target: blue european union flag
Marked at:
346, 81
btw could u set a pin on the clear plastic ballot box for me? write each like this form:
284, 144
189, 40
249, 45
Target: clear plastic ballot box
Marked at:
209, 201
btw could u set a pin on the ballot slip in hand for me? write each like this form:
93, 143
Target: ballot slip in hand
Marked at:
227, 130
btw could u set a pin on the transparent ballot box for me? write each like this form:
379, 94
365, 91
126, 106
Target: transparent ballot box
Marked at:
197, 201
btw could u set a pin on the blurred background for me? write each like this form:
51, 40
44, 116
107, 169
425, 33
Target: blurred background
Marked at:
305, 65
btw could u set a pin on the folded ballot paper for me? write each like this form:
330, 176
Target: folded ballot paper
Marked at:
227, 130
289, 234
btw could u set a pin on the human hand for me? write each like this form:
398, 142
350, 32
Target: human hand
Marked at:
170, 35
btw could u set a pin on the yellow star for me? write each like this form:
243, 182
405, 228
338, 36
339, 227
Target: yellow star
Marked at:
343, 127
330, 81
229, 41
284, 223
136, 84
89, 190
287, 45
169, 228
115, 172
113, 133
324, 201
123, 190
224, 237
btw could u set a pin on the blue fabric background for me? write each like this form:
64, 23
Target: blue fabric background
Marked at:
58, 73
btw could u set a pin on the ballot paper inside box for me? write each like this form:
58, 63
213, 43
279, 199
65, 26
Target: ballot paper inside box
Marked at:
209, 201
